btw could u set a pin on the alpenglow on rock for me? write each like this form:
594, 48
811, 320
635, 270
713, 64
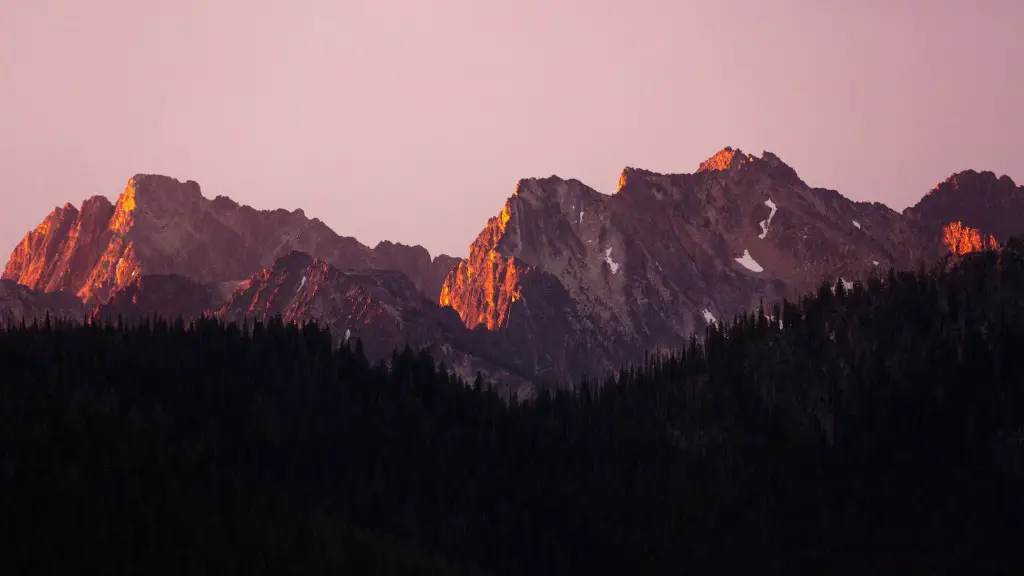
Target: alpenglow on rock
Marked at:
650, 264
163, 226
382, 308
564, 282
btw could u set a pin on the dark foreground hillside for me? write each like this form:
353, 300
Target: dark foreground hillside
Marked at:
876, 431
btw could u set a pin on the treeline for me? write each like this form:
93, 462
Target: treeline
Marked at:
879, 430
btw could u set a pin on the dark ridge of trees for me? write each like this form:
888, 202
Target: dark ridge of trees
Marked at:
879, 430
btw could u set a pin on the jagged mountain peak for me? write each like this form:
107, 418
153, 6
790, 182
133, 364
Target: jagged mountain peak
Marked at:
654, 262
727, 158
160, 191
724, 163
638, 178
972, 180
564, 280
388, 244
382, 308
51, 257
551, 190
160, 184
162, 225
95, 202
978, 200
292, 260
625, 175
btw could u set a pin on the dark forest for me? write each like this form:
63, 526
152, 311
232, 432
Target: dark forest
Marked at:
875, 430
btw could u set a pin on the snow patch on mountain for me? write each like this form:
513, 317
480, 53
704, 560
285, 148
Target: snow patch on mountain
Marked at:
766, 223
611, 263
708, 316
857, 224
748, 262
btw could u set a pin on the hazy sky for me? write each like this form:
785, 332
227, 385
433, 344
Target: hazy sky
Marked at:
412, 120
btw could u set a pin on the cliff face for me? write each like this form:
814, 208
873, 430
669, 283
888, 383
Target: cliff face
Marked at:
162, 226
959, 239
415, 262
580, 282
61, 253
563, 281
382, 308
968, 211
980, 200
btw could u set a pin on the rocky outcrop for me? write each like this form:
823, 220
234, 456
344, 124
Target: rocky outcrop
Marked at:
426, 273
967, 211
22, 304
382, 308
61, 253
564, 281
580, 282
162, 226
959, 239
160, 295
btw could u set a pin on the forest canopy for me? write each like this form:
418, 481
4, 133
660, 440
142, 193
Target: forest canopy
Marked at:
878, 429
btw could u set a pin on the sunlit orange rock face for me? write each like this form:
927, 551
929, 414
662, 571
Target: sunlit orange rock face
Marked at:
382, 308
62, 253
160, 225
483, 288
86, 252
563, 281
370, 304
578, 282
968, 211
962, 239
725, 159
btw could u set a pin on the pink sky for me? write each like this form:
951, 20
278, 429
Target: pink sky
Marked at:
411, 120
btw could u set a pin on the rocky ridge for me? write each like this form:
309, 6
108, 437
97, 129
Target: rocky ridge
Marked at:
380, 308
563, 282
160, 225
581, 282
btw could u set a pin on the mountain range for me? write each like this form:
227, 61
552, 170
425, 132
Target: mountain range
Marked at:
562, 283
